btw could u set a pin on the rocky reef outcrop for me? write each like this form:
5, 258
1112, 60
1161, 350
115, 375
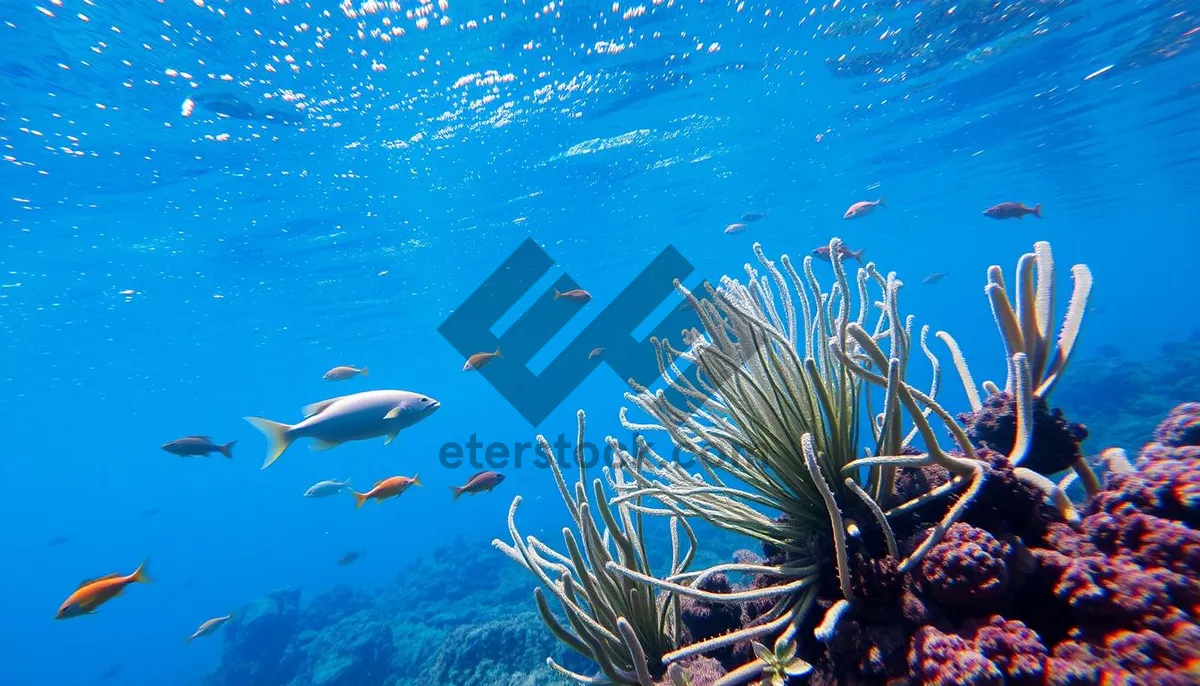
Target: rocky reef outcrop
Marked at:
460, 616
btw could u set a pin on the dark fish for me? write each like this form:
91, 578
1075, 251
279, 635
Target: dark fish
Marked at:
934, 277
480, 483
56, 541
823, 253
109, 673
753, 216
198, 446
1010, 210
150, 512
350, 557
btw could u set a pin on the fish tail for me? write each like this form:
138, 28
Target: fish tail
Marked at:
227, 449
557, 294
278, 439
456, 491
881, 202
417, 480
140, 575
501, 357
1037, 210
359, 498
857, 254
363, 371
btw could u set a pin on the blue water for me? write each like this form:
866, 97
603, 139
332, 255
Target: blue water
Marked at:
157, 281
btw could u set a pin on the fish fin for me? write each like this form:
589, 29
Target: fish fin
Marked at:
206, 438
188, 639
319, 407
391, 437
394, 412
881, 202
1018, 217
379, 482
456, 491
363, 371
140, 575
85, 582
359, 499
227, 449
1037, 210
417, 480
321, 444
857, 254
277, 436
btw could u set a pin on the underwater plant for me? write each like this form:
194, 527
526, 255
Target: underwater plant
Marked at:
614, 619
1026, 326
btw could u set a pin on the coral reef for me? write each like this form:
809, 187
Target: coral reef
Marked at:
932, 565
456, 617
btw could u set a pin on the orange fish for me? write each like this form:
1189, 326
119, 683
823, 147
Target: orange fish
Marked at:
93, 593
863, 208
478, 360
576, 295
388, 488
344, 372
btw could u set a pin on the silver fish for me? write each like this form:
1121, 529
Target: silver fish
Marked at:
209, 627
322, 489
355, 417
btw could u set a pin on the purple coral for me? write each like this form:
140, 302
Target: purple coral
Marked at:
1165, 483
938, 659
1181, 427
969, 565
1014, 648
1055, 443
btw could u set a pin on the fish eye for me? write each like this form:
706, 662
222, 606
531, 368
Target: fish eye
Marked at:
424, 400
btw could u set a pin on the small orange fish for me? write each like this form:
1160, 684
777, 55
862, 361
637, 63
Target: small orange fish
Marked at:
863, 208
597, 352
575, 295
480, 483
388, 488
93, 593
478, 360
344, 372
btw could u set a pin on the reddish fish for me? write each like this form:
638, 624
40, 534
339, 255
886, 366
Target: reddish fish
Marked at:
344, 372
597, 352
575, 295
93, 593
843, 252
1010, 210
480, 483
478, 360
863, 208
388, 488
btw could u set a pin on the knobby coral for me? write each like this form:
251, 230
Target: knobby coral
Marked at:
922, 557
